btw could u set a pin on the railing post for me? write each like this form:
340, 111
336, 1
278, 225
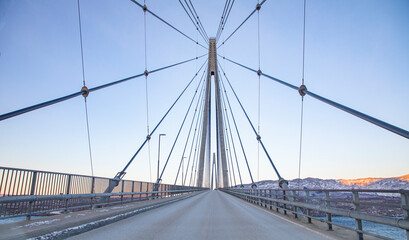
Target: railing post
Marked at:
285, 198
329, 215
357, 207
33, 187
140, 191
405, 208
307, 194
92, 191
122, 191
258, 197
67, 191
295, 207
147, 190
265, 201
276, 197
133, 190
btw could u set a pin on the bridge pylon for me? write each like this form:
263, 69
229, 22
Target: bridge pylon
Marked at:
203, 177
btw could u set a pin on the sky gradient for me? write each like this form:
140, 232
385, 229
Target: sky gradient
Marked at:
357, 54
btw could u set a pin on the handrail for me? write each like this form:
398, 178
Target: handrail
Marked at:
288, 200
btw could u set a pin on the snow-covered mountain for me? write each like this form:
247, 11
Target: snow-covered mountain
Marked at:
362, 183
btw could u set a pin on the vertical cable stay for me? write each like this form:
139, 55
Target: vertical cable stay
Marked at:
146, 95
302, 101
259, 95
85, 88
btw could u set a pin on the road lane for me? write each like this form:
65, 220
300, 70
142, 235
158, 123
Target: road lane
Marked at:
210, 215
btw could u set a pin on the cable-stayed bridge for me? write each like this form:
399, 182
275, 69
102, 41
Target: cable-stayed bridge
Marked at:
209, 161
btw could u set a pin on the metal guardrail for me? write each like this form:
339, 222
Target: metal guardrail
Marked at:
359, 205
26, 192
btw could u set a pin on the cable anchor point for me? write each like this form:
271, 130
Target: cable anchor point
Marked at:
148, 137
145, 8
146, 73
301, 90
258, 6
258, 137
85, 91
283, 183
259, 72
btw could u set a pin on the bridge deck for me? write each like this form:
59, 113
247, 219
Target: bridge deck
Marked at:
211, 215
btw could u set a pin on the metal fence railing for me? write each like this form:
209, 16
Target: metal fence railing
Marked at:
386, 207
30, 192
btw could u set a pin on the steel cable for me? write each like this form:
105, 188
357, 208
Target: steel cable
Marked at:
191, 124
399, 131
245, 20
252, 126
76, 94
122, 173
170, 25
83, 81
238, 134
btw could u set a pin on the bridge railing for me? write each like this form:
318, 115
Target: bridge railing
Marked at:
387, 207
26, 192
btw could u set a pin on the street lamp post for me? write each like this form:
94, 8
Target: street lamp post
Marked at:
160, 135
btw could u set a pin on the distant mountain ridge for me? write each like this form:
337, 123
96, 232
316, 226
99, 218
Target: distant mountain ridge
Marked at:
366, 181
394, 183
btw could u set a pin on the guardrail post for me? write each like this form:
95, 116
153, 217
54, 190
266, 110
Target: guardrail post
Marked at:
122, 191
33, 187
295, 207
147, 190
258, 197
140, 191
271, 201
307, 194
405, 208
133, 189
357, 207
276, 197
92, 191
329, 215
265, 201
67, 191
285, 205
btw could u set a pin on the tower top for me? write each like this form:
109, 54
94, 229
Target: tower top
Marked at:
212, 56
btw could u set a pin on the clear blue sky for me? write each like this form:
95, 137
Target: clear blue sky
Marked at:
357, 54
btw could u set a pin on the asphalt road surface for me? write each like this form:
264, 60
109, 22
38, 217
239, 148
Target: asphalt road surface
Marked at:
210, 215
